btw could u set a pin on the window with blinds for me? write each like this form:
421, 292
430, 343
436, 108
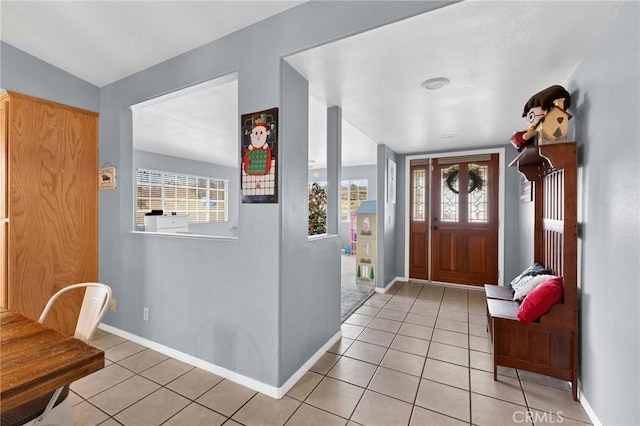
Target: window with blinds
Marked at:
201, 199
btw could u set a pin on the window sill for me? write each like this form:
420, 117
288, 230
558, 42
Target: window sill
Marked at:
321, 236
186, 235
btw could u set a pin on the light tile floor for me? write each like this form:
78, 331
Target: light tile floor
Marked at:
416, 355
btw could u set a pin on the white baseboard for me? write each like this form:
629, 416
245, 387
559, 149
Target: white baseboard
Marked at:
272, 391
388, 286
454, 285
587, 408
438, 283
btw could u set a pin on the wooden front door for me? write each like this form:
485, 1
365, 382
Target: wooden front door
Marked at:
464, 220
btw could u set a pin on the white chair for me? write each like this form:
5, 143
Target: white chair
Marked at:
94, 305
58, 410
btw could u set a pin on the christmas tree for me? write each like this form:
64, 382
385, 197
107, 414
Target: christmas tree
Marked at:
317, 210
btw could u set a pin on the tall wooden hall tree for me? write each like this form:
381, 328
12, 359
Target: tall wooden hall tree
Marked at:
548, 345
48, 205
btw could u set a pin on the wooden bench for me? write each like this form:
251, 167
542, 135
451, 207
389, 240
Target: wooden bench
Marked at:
549, 345
496, 292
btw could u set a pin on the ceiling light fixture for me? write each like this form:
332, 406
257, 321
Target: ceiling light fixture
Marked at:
435, 83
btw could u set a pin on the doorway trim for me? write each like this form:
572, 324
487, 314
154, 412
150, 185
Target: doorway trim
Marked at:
501, 201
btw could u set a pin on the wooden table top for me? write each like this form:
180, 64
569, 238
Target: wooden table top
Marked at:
35, 360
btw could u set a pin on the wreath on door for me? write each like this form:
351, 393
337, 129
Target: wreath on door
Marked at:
476, 181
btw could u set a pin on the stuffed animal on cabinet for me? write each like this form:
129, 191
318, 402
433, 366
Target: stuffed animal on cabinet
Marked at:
546, 117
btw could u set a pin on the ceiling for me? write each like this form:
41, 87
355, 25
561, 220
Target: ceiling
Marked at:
496, 54
105, 41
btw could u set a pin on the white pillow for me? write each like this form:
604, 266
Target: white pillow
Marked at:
535, 269
528, 283
521, 280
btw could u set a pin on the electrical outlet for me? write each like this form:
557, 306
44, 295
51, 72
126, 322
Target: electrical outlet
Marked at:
145, 313
113, 305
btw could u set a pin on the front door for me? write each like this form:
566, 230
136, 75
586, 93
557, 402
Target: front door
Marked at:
454, 220
464, 227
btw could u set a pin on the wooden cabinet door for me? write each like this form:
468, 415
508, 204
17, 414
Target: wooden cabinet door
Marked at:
52, 241
4, 111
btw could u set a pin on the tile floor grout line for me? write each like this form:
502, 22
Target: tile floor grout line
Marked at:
469, 370
326, 375
413, 404
409, 293
240, 408
421, 376
139, 374
191, 401
468, 367
524, 394
377, 367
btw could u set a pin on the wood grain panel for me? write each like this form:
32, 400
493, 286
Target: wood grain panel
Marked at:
449, 246
4, 292
52, 156
477, 253
4, 116
418, 250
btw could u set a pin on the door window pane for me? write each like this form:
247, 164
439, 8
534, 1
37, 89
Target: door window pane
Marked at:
478, 198
449, 193
419, 190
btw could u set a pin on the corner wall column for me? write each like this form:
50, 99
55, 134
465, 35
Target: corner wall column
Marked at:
334, 167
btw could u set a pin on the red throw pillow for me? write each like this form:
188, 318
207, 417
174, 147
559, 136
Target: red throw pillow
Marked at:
541, 299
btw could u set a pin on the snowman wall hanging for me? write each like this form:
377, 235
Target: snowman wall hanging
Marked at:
259, 147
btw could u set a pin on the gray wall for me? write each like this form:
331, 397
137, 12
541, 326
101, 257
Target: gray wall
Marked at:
370, 173
26, 74
165, 163
605, 90
227, 299
387, 221
605, 104
309, 300
515, 259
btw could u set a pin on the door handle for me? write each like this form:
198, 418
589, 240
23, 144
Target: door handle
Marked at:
434, 227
